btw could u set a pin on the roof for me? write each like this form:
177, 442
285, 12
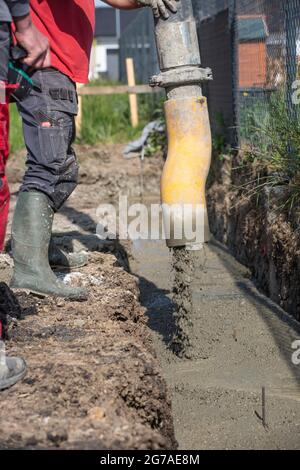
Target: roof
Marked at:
252, 29
106, 20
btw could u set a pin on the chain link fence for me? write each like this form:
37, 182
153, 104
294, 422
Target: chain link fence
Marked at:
217, 39
138, 42
253, 48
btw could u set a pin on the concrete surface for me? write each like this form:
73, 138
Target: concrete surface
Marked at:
242, 342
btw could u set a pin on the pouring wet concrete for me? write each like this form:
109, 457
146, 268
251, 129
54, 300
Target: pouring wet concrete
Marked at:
240, 342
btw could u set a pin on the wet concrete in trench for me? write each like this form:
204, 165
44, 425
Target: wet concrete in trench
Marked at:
239, 343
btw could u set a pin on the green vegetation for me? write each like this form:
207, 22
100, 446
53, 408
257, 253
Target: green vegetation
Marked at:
16, 135
273, 146
218, 138
157, 141
106, 119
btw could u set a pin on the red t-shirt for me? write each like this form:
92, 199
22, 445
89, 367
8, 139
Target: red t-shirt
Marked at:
69, 26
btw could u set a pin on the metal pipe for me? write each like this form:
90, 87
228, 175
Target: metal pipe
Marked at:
189, 137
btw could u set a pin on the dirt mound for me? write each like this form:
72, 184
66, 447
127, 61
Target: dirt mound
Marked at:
93, 380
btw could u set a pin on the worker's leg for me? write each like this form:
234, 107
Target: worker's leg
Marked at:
12, 369
49, 131
50, 178
4, 189
4, 124
4, 49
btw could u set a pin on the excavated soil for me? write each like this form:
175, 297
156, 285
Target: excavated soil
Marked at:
261, 230
93, 379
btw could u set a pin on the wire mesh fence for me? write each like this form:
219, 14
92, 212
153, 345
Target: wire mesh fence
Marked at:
258, 43
253, 48
268, 58
216, 31
138, 42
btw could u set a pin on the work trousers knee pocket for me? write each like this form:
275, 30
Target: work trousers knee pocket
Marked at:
55, 138
59, 157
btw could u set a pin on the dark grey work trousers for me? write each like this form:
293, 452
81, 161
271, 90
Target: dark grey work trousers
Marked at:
4, 49
51, 161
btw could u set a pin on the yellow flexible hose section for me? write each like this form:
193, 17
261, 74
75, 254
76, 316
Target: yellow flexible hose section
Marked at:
189, 155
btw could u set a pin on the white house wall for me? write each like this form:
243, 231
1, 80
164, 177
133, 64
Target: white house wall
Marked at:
102, 46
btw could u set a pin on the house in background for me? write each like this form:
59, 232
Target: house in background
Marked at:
105, 58
253, 34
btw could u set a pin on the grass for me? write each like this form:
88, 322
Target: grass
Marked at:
273, 147
16, 135
106, 119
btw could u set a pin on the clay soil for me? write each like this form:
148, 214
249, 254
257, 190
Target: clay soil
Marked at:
93, 379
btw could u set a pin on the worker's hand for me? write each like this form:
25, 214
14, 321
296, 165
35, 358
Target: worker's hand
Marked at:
160, 7
34, 42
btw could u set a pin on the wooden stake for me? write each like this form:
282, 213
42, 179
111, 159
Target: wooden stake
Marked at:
117, 90
132, 97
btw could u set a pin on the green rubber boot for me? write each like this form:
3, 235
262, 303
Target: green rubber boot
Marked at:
59, 258
31, 233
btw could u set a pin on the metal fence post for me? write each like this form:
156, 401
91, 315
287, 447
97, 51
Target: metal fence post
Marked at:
291, 9
233, 28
